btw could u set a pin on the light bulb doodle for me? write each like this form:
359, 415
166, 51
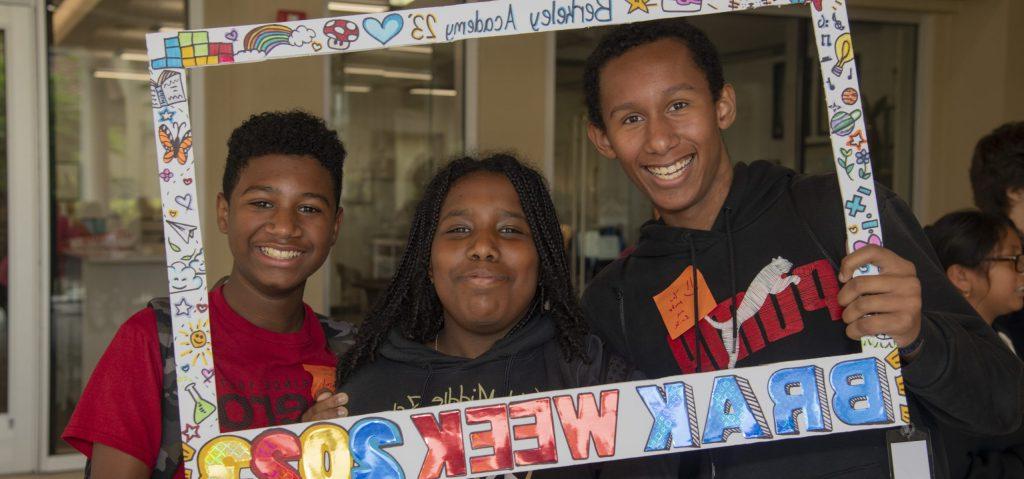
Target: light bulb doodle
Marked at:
844, 53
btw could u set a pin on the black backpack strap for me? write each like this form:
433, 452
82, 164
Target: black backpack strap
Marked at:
617, 369
335, 337
170, 456
604, 366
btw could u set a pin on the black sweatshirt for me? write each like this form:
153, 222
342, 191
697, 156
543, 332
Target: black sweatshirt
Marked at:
407, 375
785, 227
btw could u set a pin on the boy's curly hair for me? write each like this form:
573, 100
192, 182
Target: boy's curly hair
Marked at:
292, 132
998, 165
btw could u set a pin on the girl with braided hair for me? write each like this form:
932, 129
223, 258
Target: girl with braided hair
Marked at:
481, 306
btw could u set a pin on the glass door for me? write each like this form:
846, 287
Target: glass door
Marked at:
20, 167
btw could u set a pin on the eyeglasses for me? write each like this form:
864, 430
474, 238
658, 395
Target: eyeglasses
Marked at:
1017, 259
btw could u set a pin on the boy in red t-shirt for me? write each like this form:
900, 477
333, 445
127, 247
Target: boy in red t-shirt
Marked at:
280, 210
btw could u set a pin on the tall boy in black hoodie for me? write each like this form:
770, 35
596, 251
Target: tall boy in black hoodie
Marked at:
769, 245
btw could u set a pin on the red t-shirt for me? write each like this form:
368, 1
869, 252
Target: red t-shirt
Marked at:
263, 379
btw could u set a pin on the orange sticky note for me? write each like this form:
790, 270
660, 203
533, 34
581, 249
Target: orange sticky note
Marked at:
675, 303
323, 379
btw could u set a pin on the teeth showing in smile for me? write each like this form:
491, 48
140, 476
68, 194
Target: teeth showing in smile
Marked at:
279, 254
673, 171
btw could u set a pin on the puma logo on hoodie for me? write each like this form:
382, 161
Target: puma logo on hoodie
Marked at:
771, 279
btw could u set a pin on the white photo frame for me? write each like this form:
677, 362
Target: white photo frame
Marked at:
609, 422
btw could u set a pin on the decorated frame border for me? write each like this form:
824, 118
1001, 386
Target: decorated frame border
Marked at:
558, 428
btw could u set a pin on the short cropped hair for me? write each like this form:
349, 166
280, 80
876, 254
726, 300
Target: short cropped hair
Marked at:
998, 165
292, 132
626, 37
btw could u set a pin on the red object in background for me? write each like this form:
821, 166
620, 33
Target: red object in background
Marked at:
290, 15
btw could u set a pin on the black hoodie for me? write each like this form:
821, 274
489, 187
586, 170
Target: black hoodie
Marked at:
790, 229
407, 375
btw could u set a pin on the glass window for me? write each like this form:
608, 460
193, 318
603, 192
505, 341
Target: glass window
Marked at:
399, 112
772, 64
106, 234
886, 60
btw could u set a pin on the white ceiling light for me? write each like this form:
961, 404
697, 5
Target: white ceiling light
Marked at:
400, 3
356, 7
404, 75
357, 89
421, 50
134, 56
433, 91
120, 75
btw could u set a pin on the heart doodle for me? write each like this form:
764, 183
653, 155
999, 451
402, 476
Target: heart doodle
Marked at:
232, 35
317, 46
187, 181
201, 307
873, 239
173, 213
384, 31
853, 229
184, 201
208, 374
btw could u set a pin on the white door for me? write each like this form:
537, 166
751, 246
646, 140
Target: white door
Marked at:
21, 220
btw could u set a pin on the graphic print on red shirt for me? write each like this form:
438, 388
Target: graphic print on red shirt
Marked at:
263, 379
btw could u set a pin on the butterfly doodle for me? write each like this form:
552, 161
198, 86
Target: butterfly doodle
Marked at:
177, 144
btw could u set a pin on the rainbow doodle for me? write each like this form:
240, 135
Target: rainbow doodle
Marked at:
266, 38
190, 49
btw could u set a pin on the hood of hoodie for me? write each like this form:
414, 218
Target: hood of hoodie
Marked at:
407, 374
755, 188
536, 331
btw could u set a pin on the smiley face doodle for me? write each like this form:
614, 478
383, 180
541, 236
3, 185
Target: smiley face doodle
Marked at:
195, 335
182, 277
197, 339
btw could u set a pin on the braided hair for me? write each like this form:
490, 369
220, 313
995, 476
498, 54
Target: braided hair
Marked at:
411, 303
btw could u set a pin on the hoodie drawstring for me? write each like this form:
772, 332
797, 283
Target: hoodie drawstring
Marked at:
426, 381
507, 386
732, 283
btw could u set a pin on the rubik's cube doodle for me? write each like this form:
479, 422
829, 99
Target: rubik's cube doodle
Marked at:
194, 48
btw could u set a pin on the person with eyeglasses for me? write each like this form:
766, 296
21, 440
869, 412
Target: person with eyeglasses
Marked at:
981, 254
997, 182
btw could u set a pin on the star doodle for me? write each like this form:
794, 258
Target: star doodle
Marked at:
182, 308
642, 5
856, 140
190, 432
166, 114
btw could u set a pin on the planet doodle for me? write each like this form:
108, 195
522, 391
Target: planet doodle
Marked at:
843, 122
850, 96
